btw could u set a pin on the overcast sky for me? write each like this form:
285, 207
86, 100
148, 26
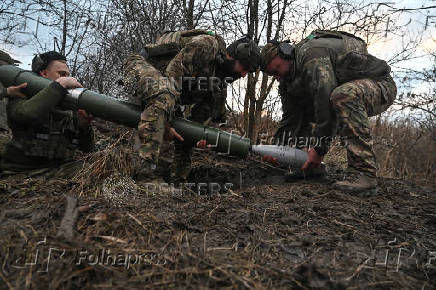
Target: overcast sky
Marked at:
417, 24
384, 49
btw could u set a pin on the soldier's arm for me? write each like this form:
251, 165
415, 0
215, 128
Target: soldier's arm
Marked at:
86, 138
220, 112
86, 134
37, 107
320, 80
3, 92
196, 59
141, 79
292, 116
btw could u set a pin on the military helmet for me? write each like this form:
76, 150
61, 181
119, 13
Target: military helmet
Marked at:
6, 59
276, 48
246, 51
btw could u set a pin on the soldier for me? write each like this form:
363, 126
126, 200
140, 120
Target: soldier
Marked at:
184, 68
44, 135
328, 84
5, 93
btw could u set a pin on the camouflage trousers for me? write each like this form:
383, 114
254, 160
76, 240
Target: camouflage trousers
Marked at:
201, 112
354, 102
144, 82
158, 96
147, 85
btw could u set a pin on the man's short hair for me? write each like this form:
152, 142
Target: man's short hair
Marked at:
41, 61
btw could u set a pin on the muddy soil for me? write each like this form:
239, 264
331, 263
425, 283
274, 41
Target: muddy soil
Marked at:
265, 232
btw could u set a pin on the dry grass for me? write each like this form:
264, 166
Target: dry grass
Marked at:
405, 151
281, 236
116, 157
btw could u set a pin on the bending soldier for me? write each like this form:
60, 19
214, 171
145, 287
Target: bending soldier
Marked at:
189, 69
330, 84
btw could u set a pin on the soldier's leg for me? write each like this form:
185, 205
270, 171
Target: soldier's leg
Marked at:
146, 83
181, 166
151, 128
353, 102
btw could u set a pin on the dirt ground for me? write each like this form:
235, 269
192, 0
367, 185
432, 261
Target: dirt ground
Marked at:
265, 232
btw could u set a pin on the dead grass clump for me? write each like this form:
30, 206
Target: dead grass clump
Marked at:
117, 159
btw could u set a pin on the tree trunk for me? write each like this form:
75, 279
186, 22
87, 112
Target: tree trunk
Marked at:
251, 95
64, 30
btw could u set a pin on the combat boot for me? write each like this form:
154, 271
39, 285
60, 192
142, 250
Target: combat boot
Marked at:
148, 180
358, 183
318, 173
180, 168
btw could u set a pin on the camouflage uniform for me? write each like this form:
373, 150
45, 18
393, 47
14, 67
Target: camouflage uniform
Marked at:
190, 54
334, 86
43, 136
5, 59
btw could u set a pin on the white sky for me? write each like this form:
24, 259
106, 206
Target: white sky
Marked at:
383, 49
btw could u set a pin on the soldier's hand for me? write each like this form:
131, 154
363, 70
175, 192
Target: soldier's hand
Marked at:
270, 159
15, 91
202, 144
171, 133
69, 82
84, 118
313, 160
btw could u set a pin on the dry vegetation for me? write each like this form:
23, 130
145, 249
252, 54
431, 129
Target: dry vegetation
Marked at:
264, 233
405, 151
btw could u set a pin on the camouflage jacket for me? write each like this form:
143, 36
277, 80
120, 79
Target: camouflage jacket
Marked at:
43, 133
323, 61
195, 57
3, 92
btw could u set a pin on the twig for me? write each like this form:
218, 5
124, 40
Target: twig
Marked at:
68, 222
204, 243
113, 239
358, 269
233, 193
